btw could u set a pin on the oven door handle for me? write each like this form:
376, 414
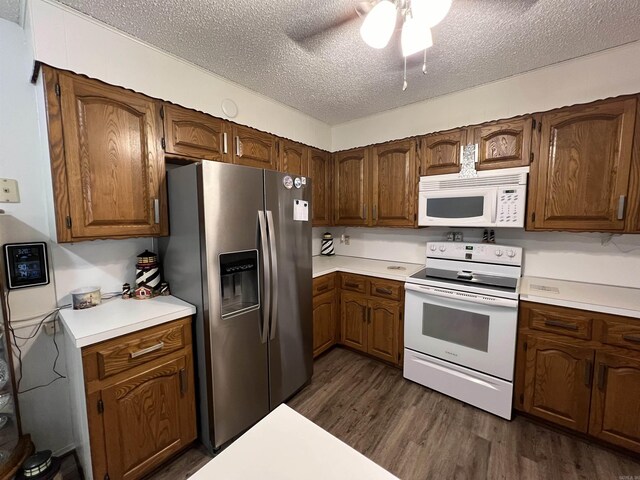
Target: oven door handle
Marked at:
462, 296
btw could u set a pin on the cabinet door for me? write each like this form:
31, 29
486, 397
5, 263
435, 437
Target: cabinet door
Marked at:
294, 157
149, 417
193, 134
503, 144
351, 184
440, 152
558, 382
353, 321
615, 408
384, 321
325, 322
583, 173
394, 184
115, 171
253, 148
321, 173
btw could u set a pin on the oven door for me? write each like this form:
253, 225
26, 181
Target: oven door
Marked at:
457, 208
472, 330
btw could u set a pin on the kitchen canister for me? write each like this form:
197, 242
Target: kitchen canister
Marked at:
86, 297
327, 245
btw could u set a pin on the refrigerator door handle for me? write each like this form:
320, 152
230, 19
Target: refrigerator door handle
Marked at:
274, 273
266, 302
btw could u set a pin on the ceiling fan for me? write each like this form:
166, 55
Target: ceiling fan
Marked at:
382, 18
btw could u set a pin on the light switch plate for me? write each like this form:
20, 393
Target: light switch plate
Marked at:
9, 191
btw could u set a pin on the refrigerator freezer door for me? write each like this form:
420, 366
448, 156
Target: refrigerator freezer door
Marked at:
231, 199
290, 346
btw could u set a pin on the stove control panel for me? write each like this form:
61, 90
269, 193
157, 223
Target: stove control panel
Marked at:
475, 252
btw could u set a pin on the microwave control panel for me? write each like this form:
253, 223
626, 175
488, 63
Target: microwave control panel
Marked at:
511, 206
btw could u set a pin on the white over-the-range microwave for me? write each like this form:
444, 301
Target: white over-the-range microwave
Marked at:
494, 198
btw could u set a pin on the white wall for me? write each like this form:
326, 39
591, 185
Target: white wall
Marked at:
108, 264
67, 39
606, 74
569, 256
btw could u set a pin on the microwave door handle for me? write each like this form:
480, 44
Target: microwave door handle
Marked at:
494, 207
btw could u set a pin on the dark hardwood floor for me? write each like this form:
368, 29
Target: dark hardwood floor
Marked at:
417, 433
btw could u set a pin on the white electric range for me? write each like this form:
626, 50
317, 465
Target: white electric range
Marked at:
461, 315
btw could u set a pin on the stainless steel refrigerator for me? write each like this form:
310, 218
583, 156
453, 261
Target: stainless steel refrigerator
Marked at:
240, 250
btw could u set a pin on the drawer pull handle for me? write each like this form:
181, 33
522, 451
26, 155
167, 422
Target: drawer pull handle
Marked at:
385, 291
556, 323
352, 285
144, 351
322, 288
631, 338
588, 373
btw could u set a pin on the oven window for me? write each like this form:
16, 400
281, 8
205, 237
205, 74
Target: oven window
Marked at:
456, 207
451, 325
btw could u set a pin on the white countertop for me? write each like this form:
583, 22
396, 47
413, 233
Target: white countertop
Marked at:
116, 317
586, 296
323, 265
286, 446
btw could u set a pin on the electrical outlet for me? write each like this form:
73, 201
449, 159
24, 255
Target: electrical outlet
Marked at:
9, 191
347, 240
51, 327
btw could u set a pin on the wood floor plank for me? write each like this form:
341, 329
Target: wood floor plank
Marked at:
417, 433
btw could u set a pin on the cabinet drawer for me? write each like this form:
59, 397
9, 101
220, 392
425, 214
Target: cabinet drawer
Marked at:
561, 322
324, 284
123, 353
386, 289
621, 334
354, 283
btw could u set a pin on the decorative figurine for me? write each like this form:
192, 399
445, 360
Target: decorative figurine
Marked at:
164, 289
126, 291
327, 245
147, 274
143, 292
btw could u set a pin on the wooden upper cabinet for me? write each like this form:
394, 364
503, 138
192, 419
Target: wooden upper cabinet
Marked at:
440, 152
583, 172
503, 144
107, 163
193, 134
557, 382
294, 158
615, 411
321, 173
394, 184
351, 187
253, 148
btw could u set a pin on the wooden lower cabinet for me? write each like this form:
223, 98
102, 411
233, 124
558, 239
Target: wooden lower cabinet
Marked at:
140, 416
325, 314
558, 382
354, 310
371, 316
615, 403
589, 385
325, 330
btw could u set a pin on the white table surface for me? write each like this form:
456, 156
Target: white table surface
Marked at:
323, 265
586, 296
286, 446
116, 317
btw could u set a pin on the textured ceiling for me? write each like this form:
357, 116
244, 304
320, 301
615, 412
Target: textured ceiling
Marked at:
273, 46
11, 10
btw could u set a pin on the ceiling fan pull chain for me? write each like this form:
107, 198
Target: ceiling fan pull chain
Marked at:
404, 83
424, 64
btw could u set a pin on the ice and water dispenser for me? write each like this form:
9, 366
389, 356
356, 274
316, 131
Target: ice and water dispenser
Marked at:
239, 282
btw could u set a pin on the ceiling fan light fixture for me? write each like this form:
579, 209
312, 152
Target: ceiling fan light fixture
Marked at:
379, 24
415, 37
430, 12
